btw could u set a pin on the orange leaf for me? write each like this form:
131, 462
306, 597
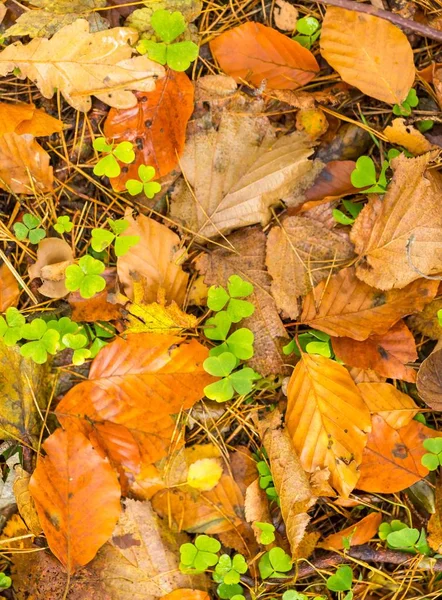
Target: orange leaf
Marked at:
77, 496
327, 420
392, 458
24, 165
134, 385
386, 354
346, 306
25, 118
186, 594
156, 126
332, 183
9, 291
254, 52
397, 408
97, 308
359, 533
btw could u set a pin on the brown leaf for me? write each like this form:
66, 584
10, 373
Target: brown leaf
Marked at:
346, 306
9, 291
380, 64
426, 321
26, 118
357, 534
285, 15
290, 479
254, 52
399, 238
134, 385
429, 379
332, 183
395, 407
24, 165
68, 487
327, 420
54, 255
387, 354
300, 253
392, 459
247, 260
256, 507
435, 522
97, 308
408, 137
156, 258
25, 503
156, 126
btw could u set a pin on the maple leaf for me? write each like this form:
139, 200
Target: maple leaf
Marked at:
81, 64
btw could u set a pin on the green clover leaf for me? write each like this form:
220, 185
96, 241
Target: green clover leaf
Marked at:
63, 225
85, 277
404, 109
156, 51
220, 366
404, 538
44, 341
231, 569
29, 229
239, 309
124, 243
240, 381
433, 459
274, 563
364, 173
80, 356
181, 55
267, 535
150, 188
341, 581
217, 327
239, 343
5, 581
239, 288
108, 165
100, 145
227, 591
217, 298
200, 555
125, 153
11, 326
119, 226
307, 25
168, 26
101, 239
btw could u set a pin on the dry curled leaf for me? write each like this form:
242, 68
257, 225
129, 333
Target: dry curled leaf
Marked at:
24, 165
253, 52
327, 420
380, 64
426, 321
80, 64
54, 255
26, 118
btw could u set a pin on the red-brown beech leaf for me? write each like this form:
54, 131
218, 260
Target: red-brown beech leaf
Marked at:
253, 52
357, 534
156, 126
386, 354
77, 496
391, 460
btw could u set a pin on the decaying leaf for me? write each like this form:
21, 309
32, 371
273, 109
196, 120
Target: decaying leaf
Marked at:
386, 354
247, 259
380, 64
155, 260
408, 137
300, 253
26, 118
54, 255
429, 379
391, 460
51, 15
23, 384
25, 503
426, 321
68, 487
291, 482
357, 534
327, 420
9, 291
256, 507
285, 15
346, 306
217, 194
435, 521
395, 407
156, 126
253, 52
24, 164
399, 237
80, 64
332, 182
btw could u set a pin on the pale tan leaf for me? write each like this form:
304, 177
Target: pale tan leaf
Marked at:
285, 15
25, 503
380, 63
399, 237
256, 507
408, 137
24, 165
81, 64
155, 260
300, 253
327, 420
395, 407
54, 255
225, 194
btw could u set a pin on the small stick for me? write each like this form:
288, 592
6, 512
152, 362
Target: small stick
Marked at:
419, 28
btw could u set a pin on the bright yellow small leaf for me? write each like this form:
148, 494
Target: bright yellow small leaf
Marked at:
204, 474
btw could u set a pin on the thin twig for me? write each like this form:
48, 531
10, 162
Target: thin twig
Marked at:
419, 28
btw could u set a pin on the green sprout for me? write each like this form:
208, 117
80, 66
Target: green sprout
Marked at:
311, 342
266, 481
102, 238
229, 570
308, 31
239, 343
44, 341
364, 176
63, 225
86, 277
5, 581
11, 326
401, 537
236, 309
29, 229
168, 26
150, 188
108, 165
230, 591
433, 459
341, 581
267, 532
425, 125
274, 563
240, 381
410, 102
352, 208
201, 555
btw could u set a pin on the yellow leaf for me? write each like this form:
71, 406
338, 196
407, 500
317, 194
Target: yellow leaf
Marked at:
369, 53
204, 474
407, 136
327, 420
